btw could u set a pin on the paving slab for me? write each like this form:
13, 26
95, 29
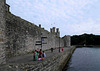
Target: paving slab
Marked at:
28, 58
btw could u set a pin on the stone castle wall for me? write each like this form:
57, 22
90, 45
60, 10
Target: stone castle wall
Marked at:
67, 40
23, 35
2, 33
18, 36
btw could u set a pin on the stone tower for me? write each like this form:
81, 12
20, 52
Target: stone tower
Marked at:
67, 40
57, 32
2, 32
53, 30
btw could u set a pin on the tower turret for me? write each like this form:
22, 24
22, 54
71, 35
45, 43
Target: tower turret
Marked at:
53, 30
67, 40
57, 32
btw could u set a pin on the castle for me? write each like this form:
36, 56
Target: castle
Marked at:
18, 36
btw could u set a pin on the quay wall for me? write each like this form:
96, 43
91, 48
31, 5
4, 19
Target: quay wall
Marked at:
54, 63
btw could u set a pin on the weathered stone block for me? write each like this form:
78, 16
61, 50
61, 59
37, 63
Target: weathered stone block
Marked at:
1, 39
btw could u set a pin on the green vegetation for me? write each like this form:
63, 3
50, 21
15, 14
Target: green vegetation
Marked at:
85, 39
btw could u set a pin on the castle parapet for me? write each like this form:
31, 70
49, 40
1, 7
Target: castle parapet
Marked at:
7, 7
57, 32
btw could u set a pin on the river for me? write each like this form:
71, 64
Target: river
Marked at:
84, 59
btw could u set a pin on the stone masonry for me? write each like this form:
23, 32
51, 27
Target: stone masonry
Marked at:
18, 36
67, 40
2, 32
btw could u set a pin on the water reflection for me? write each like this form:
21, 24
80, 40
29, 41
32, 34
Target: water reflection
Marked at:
84, 59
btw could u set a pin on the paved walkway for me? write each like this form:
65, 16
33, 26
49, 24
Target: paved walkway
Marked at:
29, 57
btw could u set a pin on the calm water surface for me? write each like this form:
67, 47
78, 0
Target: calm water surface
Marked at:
84, 59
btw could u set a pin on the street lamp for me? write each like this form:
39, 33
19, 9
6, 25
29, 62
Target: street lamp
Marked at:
59, 44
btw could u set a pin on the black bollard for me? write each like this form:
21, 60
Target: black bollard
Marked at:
51, 49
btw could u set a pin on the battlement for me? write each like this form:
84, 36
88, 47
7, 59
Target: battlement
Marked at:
7, 7
57, 32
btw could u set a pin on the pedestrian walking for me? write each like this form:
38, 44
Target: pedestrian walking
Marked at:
62, 49
51, 49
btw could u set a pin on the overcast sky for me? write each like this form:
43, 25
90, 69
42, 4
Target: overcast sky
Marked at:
73, 17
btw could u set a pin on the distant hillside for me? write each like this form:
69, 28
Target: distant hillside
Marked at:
88, 39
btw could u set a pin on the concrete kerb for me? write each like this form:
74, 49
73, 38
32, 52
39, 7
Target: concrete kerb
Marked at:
67, 59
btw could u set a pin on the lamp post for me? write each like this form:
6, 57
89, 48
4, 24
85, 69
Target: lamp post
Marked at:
59, 44
41, 40
41, 43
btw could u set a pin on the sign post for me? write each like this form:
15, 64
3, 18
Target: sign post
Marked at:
41, 42
59, 44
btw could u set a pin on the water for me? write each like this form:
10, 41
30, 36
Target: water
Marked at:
84, 59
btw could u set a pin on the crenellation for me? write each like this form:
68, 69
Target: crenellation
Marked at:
7, 7
39, 25
57, 30
53, 30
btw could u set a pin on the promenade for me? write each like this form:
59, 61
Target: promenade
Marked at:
54, 61
28, 58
